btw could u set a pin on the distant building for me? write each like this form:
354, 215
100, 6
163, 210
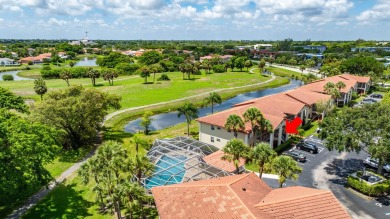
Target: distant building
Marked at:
36, 59
262, 46
320, 49
224, 58
310, 55
8, 62
370, 49
84, 41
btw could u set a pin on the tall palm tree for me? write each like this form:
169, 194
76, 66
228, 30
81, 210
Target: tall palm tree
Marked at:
145, 73
133, 198
234, 123
286, 168
190, 112
265, 126
310, 77
302, 68
254, 116
206, 65
262, 154
340, 85
139, 142
93, 74
141, 166
235, 150
213, 97
328, 87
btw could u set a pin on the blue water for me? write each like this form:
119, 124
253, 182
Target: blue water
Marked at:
15, 74
168, 166
86, 62
165, 120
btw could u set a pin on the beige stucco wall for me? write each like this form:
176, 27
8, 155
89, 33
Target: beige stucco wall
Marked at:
205, 134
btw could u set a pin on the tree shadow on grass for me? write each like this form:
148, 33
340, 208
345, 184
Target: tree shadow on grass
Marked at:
116, 135
73, 155
149, 82
62, 202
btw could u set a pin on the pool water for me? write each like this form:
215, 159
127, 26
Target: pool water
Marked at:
168, 170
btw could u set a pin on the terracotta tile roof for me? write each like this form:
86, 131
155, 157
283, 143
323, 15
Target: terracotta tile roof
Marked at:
306, 96
215, 159
244, 196
360, 79
300, 202
225, 197
318, 86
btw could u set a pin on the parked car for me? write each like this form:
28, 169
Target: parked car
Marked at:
369, 101
295, 155
307, 147
372, 162
376, 96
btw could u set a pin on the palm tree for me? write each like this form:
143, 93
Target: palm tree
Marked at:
254, 116
145, 73
340, 85
213, 97
190, 112
206, 65
139, 142
310, 77
261, 66
93, 74
262, 154
66, 75
234, 123
182, 68
235, 150
141, 166
265, 126
302, 68
40, 87
286, 168
328, 87
133, 198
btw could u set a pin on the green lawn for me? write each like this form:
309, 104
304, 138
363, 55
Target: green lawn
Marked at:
312, 129
283, 72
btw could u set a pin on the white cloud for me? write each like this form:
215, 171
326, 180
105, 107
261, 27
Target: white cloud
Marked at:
53, 21
380, 11
321, 11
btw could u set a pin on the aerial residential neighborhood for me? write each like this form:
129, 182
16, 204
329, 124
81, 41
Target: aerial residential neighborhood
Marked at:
195, 109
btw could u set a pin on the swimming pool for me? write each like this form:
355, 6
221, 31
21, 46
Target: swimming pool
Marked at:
168, 170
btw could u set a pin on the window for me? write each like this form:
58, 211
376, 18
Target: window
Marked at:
212, 139
218, 139
219, 128
212, 127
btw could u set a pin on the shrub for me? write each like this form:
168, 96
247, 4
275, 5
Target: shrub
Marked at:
218, 68
163, 77
30, 63
8, 77
371, 190
285, 146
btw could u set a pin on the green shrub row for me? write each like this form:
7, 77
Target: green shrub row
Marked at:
77, 72
285, 146
371, 190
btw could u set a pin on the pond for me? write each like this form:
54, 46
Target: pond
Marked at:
86, 62
165, 120
13, 73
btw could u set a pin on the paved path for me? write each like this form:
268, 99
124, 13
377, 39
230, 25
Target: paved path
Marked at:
315, 72
109, 116
18, 213
44, 191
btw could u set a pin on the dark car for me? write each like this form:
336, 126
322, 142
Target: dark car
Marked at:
295, 155
376, 96
307, 147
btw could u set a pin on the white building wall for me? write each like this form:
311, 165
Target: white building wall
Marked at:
218, 137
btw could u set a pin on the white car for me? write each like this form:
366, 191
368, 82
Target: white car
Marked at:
372, 162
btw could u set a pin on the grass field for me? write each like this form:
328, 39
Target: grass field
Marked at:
65, 201
135, 93
284, 72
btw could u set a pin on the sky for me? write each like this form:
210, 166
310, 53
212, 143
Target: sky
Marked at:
195, 19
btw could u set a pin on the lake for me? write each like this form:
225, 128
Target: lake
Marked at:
165, 120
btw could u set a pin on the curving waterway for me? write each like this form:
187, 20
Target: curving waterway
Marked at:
165, 120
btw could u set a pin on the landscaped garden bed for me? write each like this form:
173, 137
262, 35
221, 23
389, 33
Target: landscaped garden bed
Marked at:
369, 183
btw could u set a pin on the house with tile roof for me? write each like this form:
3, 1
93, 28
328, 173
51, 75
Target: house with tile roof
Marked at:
300, 102
36, 59
244, 196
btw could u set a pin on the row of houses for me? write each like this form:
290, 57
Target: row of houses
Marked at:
8, 62
300, 102
41, 58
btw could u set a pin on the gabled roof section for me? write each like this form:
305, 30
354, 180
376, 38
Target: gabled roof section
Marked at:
308, 97
300, 202
360, 79
215, 160
225, 197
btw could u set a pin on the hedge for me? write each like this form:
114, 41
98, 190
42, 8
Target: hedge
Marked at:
371, 190
77, 72
286, 145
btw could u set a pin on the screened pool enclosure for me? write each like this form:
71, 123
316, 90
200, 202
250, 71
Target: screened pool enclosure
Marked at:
179, 160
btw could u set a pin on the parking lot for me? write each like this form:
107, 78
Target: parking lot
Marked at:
310, 157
